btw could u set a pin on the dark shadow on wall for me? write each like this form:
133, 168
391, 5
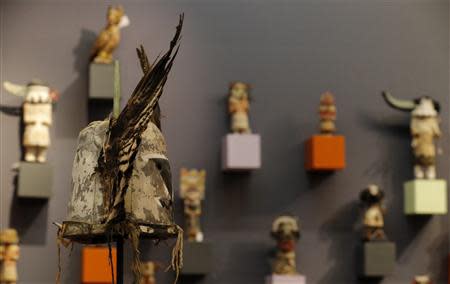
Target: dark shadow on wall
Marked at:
74, 99
16, 111
29, 216
439, 256
316, 178
341, 247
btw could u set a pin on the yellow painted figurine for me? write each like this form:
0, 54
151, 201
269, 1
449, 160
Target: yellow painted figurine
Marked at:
9, 254
192, 191
286, 231
238, 107
327, 112
372, 197
109, 37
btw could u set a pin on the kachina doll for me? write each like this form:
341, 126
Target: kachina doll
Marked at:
286, 232
37, 117
422, 279
238, 107
148, 271
9, 255
424, 129
109, 38
327, 112
372, 198
192, 191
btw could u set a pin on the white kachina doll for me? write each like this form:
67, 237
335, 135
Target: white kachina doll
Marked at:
238, 107
424, 130
9, 255
192, 191
37, 117
327, 113
286, 232
372, 197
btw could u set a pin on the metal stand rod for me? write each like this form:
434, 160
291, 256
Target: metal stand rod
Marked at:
120, 257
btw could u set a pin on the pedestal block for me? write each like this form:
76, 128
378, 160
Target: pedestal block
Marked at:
34, 180
376, 259
241, 152
101, 80
95, 267
285, 279
325, 153
425, 196
197, 258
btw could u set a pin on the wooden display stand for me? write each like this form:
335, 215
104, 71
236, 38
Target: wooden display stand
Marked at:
325, 153
425, 196
101, 80
34, 180
241, 152
198, 258
95, 266
376, 258
285, 279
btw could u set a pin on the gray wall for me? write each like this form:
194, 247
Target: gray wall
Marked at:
291, 52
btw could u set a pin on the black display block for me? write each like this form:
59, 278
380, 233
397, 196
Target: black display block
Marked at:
34, 180
197, 258
376, 259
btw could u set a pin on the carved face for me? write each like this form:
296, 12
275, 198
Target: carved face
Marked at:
115, 15
285, 228
38, 94
372, 195
192, 185
239, 90
425, 107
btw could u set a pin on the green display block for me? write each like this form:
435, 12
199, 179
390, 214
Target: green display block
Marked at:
197, 258
376, 259
425, 196
34, 180
101, 80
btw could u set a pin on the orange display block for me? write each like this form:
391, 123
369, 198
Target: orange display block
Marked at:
95, 267
325, 153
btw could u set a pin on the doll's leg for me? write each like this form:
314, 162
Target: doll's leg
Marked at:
41, 154
30, 153
431, 172
418, 171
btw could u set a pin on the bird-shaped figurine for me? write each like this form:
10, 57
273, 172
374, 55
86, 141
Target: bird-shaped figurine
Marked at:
109, 38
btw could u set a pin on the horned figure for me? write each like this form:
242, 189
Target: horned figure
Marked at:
37, 117
238, 107
148, 271
424, 129
286, 231
422, 279
109, 37
122, 187
9, 255
372, 198
327, 112
192, 191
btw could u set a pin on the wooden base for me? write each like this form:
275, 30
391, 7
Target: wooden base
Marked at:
425, 197
325, 153
241, 152
95, 266
35, 180
376, 259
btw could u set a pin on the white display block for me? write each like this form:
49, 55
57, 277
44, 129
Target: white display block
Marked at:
241, 152
285, 279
